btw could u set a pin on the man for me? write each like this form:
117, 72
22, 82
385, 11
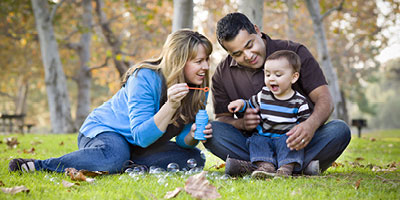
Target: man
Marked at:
240, 75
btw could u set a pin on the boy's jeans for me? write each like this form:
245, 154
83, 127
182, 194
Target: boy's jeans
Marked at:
328, 143
109, 151
274, 150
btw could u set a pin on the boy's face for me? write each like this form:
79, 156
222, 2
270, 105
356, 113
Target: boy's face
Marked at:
247, 49
279, 77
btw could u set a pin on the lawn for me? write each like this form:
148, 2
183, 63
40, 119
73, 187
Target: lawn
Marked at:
368, 169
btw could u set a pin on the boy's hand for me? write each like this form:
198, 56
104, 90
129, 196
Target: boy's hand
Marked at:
235, 106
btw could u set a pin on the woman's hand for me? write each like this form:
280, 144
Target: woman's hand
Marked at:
176, 93
207, 131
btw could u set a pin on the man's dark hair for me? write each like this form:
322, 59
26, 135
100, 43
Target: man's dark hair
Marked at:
230, 25
290, 56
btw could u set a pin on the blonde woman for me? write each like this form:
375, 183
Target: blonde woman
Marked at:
153, 105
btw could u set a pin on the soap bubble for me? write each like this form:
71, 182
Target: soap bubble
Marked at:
157, 171
173, 167
191, 163
203, 155
225, 177
128, 170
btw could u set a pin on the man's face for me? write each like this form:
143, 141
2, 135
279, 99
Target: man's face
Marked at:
247, 49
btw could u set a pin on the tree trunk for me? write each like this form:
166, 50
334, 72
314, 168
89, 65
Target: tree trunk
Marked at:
324, 58
56, 84
183, 15
253, 9
290, 16
84, 76
111, 38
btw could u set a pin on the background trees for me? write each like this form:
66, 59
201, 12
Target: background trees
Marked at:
98, 40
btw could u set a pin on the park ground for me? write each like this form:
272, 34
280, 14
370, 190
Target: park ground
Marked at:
368, 169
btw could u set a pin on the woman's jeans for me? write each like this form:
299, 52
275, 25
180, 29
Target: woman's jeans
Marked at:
327, 145
109, 151
274, 150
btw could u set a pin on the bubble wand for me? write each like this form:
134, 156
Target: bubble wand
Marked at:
205, 89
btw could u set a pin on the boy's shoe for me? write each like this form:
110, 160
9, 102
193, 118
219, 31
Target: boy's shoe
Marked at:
312, 168
235, 167
285, 170
264, 170
23, 165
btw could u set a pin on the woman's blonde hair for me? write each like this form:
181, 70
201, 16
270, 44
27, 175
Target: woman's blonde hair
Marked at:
180, 47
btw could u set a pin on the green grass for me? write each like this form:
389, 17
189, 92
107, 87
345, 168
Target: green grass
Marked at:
337, 183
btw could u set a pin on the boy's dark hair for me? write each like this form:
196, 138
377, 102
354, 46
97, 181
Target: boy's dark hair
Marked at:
290, 56
230, 25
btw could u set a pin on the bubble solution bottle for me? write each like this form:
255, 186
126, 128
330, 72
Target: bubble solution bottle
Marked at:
201, 122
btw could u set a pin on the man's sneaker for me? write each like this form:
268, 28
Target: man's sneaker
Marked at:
235, 167
264, 170
23, 165
312, 168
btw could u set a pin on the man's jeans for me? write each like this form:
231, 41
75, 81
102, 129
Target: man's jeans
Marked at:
109, 151
274, 150
327, 145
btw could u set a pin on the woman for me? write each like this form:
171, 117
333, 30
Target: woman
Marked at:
137, 123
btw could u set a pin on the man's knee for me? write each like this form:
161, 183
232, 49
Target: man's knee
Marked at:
342, 131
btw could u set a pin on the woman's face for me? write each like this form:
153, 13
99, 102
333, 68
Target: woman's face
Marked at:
196, 69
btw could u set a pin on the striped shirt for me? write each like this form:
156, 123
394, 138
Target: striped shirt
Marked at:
278, 116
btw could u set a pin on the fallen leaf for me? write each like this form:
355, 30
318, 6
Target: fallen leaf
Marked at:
76, 175
68, 184
357, 185
15, 190
335, 164
173, 193
12, 142
199, 187
93, 173
61, 143
360, 158
372, 139
1, 183
32, 150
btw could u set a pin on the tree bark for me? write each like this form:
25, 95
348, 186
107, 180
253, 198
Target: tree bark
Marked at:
84, 76
290, 16
56, 84
324, 58
114, 42
183, 15
253, 9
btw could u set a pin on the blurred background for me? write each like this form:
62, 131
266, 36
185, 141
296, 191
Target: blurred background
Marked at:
60, 59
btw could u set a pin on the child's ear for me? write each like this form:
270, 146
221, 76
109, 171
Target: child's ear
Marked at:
295, 77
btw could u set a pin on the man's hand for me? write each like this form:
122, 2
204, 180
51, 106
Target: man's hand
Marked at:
300, 136
251, 119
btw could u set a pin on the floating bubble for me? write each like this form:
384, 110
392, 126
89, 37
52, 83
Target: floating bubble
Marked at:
225, 177
157, 171
191, 163
128, 170
173, 167
203, 155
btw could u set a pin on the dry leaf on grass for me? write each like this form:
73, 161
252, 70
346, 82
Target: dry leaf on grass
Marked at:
68, 184
15, 190
12, 142
357, 185
32, 150
199, 187
218, 166
173, 193
1, 183
93, 173
61, 143
77, 175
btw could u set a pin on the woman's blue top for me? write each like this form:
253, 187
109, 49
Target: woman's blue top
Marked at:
130, 112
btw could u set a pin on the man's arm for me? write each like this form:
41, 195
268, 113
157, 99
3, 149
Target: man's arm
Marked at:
322, 110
